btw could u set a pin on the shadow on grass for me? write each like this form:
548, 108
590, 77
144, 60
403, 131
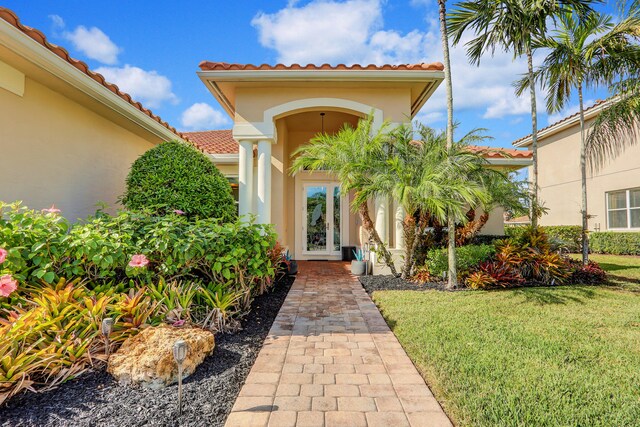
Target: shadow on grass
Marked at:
555, 295
607, 266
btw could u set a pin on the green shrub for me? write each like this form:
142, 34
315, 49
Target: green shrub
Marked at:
568, 237
176, 176
468, 257
235, 254
34, 241
614, 243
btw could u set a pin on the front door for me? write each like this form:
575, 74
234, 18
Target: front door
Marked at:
321, 213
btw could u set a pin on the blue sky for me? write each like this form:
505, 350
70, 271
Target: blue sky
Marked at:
151, 49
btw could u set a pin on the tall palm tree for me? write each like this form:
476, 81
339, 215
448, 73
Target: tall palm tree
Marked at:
452, 280
511, 25
349, 155
584, 55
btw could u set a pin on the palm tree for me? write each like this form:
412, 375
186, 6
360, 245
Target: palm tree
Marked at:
584, 55
452, 281
349, 154
432, 181
511, 25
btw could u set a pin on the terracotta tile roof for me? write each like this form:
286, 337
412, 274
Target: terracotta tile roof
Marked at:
222, 142
505, 153
559, 122
11, 18
214, 141
224, 66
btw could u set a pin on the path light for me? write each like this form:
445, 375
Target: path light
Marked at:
107, 327
180, 353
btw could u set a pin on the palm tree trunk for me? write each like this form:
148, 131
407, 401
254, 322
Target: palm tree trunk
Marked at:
368, 225
534, 138
452, 281
583, 173
409, 228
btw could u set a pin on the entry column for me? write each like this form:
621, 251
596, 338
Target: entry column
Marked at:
245, 190
264, 181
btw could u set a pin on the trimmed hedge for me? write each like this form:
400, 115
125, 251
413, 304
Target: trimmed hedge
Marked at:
176, 176
614, 243
468, 256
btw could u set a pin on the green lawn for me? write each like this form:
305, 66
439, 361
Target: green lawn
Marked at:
566, 356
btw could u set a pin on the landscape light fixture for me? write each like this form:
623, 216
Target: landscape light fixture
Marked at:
180, 354
322, 119
107, 327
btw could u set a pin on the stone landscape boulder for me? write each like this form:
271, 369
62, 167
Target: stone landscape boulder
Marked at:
147, 359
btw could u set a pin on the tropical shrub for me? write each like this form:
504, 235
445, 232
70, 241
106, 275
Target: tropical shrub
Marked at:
50, 341
468, 257
590, 274
614, 243
33, 242
177, 177
565, 237
104, 249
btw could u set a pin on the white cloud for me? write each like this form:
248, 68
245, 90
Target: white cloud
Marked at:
147, 87
353, 32
202, 116
92, 42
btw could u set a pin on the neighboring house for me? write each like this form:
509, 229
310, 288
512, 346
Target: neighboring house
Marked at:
613, 192
66, 135
278, 108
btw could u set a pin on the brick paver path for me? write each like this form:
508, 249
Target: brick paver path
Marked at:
331, 360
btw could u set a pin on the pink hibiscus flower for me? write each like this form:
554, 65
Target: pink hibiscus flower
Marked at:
3, 255
138, 261
52, 210
178, 212
7, 285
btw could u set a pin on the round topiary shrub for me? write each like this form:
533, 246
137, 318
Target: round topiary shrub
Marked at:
176, 176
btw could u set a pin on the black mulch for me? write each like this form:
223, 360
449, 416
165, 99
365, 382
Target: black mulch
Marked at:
95, 399
392, 283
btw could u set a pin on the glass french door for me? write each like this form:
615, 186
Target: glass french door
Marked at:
321, 219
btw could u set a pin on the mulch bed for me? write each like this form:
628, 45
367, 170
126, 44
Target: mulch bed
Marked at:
392, 283
95, 399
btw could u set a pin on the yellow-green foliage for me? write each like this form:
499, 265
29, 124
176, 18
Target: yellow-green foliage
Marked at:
51, 339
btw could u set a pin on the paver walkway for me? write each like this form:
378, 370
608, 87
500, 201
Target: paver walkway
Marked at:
331, 360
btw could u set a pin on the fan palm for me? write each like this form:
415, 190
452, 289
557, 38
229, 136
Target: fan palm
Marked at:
584, 55
511, 25
349, 155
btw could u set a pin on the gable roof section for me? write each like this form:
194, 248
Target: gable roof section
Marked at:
223, 79
12, 19
564, 123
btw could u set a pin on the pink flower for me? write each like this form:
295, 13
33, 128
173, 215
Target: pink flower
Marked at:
178, 212
138, 260
7, 285
52, 210
3, 255
178, 323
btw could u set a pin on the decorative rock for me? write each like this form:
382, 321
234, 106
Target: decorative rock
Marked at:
147, 359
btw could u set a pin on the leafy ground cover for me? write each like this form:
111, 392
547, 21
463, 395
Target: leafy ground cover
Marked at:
96, 399
567, 355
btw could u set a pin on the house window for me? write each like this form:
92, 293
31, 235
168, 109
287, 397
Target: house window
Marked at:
623, 209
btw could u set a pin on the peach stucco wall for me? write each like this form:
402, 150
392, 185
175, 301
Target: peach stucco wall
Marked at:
54, 150
559, 180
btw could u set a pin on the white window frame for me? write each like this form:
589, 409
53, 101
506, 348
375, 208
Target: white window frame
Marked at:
627, 209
